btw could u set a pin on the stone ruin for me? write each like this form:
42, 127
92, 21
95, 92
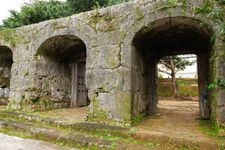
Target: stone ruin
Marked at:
107, 58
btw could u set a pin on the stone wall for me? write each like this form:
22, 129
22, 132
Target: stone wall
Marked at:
115, 78
139, 83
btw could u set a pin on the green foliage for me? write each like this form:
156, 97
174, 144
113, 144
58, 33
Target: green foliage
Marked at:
206, 8
179, 62
10, 36
211, 129
208, 128
86, 5
36, 12
182, 83
132, 131
45, 10
221, 1
217, 84
216, 12
138, 118
172, 2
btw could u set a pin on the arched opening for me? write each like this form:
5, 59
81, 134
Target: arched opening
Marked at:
168, 37
62, 75
5, 73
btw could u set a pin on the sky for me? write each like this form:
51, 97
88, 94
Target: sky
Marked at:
6, 5
189, 72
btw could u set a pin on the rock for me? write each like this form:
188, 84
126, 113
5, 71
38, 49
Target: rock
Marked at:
6, 93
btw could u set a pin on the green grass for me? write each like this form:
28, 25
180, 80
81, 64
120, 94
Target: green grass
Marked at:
212, 131
185, 87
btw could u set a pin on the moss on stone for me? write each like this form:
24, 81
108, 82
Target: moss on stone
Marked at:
10, 36
138, 14
112, 59
98, 115
102, 116
37, 104
123, 106
138, 118
107, 19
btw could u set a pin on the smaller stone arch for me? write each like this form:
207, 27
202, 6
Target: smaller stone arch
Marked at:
61, 66
6, 61
76, 28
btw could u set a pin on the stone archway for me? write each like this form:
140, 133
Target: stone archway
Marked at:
61, 71
6, 61
169, 36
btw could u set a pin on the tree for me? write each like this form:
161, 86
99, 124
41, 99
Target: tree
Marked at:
86, 5
171, 65
36, 12
40, 10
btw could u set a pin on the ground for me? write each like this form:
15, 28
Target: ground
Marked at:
15, 143
70, 115
174, 118
175, 126
177, 119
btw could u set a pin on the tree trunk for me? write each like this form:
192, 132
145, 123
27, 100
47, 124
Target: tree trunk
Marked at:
173, 75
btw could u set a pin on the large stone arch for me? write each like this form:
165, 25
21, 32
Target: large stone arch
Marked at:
168, 36
145, 25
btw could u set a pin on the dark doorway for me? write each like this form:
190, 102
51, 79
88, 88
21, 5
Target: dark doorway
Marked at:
5, 73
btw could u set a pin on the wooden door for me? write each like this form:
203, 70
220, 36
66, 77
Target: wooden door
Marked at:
79, 91
82, 91
74, 71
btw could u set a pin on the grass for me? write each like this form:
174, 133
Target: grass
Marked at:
211, 131
116, 137
185, 87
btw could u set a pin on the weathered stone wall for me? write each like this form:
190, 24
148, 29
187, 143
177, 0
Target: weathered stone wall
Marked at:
114, 75
52, 86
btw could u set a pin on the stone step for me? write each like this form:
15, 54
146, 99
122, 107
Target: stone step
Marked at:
35, 119
72, 139
93, 128
52, 135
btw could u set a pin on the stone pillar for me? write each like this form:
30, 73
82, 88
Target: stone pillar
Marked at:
204, 104
221, 95
152, 86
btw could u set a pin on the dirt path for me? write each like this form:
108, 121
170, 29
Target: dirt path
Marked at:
178, 119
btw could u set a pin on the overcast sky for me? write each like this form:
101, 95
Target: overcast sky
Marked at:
6, 5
